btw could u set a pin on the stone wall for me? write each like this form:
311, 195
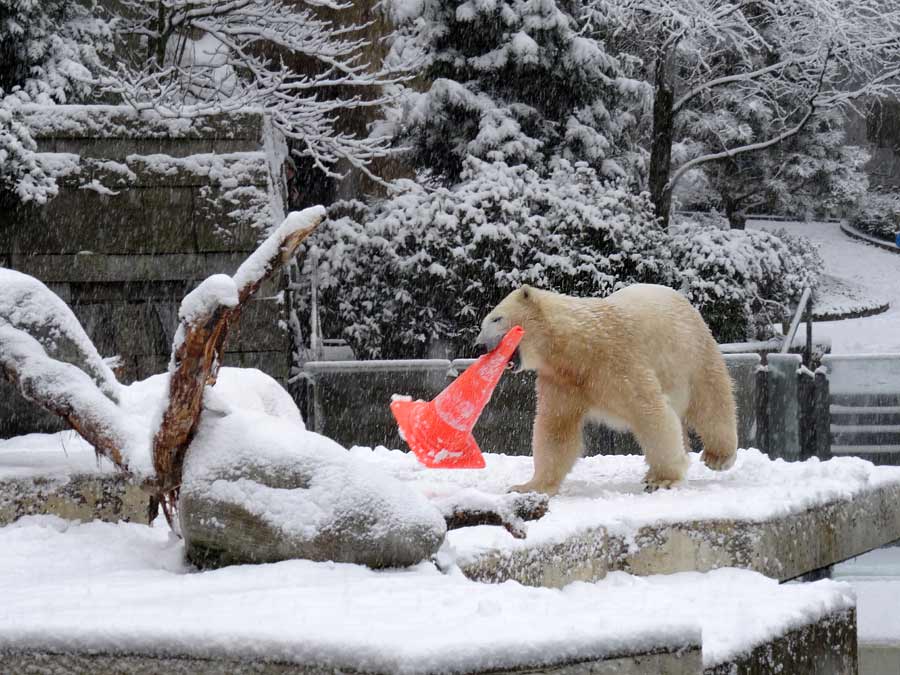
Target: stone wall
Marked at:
147, 208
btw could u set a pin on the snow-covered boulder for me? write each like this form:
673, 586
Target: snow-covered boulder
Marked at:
258, 488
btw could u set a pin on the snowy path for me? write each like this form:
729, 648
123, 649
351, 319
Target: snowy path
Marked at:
859, 264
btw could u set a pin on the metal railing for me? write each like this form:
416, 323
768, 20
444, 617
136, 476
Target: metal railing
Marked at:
804, 308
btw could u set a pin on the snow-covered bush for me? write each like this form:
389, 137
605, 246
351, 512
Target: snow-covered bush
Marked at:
412, 275
880, 215
742, 281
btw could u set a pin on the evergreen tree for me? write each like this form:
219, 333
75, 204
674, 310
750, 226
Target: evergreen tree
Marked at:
812, 174
513, 81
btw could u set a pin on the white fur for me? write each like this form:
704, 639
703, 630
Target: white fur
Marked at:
641, 359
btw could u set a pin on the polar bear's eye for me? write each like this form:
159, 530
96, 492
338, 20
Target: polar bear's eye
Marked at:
497, 319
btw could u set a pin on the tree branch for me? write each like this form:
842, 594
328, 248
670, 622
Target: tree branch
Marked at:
205, 315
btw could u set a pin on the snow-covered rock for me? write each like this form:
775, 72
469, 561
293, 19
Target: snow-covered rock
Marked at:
257, 488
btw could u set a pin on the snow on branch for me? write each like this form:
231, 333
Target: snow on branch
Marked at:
28, 305
205, 316
735, 78
65, 390
207, 57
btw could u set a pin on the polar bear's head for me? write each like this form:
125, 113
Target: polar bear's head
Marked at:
519, 308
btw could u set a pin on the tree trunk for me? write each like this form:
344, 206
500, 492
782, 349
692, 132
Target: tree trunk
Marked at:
661, 143
737, 219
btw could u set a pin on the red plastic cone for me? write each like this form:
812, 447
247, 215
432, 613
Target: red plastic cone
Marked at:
440, 431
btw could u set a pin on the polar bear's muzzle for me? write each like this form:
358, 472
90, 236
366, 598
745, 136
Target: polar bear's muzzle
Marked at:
488, 342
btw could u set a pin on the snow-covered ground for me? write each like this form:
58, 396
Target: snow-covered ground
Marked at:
859, 274
602, 491
607, 491
125, 588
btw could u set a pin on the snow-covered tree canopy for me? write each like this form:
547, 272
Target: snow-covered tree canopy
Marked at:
792, 59
49, 53
185, 57
513, 81
812, 174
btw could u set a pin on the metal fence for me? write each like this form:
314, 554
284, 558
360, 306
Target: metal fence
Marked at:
783, 408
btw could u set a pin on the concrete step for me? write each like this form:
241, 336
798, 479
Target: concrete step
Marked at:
865, 415
866, 399
880, 455
92, 594
865, 434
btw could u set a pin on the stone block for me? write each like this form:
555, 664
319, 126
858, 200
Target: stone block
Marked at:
259, 329
783, 548
140, 220
132, 329
141, 367
19, 416
101, 267
826, 647
686, 661
82, 497
125, 123
215, 168
233, 220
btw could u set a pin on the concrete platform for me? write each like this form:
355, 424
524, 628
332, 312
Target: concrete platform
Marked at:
684, 662
781, 519
773, 517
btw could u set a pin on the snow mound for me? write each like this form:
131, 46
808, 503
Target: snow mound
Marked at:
138, 411
256, 488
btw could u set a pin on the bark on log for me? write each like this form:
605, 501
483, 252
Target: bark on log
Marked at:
64, 390
531, 506
199, 342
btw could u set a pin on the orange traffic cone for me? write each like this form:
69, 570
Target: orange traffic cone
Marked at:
440, 431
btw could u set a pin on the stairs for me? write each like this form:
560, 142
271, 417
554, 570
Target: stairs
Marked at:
867, 426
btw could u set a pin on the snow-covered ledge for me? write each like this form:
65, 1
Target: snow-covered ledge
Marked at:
148, 611
782, 519
778, 518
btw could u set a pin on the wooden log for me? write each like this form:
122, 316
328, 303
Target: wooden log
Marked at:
511, 513
206, 314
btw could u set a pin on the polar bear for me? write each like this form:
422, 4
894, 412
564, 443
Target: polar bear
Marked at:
641, 359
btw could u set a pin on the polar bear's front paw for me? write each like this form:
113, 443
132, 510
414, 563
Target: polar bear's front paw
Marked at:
532, 486
718, 462
653, 482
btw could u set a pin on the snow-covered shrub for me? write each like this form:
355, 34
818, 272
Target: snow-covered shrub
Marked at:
880, 215
742, 280
413, 274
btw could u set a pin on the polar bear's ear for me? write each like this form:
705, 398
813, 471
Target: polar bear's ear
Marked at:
527, 292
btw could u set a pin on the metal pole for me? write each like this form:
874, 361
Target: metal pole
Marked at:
795, 322
315, 342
